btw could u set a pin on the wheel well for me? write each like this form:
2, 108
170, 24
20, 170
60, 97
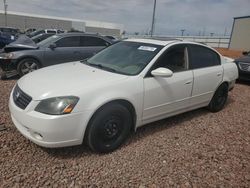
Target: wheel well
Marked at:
225, 83
124, 103
131, 109
28, 57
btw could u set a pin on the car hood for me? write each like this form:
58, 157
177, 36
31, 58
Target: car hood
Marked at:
245, 59
66, 79
22, 43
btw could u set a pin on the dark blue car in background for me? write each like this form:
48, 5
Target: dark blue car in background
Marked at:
5, 39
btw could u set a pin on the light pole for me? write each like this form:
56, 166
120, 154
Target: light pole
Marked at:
5, 11
153, 20
182, 31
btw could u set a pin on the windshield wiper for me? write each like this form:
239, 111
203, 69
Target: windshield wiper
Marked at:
100, 66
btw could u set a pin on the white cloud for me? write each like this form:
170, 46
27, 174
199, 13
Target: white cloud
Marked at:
172, 15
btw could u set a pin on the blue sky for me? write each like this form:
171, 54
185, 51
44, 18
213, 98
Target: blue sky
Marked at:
195, 16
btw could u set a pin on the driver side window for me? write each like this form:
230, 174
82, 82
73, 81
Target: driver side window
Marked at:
175, 58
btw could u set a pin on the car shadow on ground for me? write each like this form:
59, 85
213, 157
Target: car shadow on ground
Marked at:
243, 82
16, 77
142, 132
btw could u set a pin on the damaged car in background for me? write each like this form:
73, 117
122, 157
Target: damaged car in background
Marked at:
100, 101
243, 64
24, 55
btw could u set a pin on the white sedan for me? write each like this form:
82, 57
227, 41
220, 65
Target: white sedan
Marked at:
127, 85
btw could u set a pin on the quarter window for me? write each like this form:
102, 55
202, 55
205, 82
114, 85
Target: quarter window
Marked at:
73, 41
203, 57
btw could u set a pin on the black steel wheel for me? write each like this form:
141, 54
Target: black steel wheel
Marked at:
109, 128
219, 99
27, 65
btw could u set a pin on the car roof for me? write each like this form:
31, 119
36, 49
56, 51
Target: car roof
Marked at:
163, 41
156, 41
78, 33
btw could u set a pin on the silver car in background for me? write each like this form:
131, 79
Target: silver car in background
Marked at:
25, 57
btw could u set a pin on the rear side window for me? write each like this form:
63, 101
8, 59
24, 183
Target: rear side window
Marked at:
202, 57
50, 31
92, 41
73, 41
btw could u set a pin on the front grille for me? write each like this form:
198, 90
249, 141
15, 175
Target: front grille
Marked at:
244, 66
20, 98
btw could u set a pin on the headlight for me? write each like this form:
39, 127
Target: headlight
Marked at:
7, 56
57, 105
244, 66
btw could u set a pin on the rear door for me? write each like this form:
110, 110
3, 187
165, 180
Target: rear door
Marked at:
208, 73
91, 45
67, 49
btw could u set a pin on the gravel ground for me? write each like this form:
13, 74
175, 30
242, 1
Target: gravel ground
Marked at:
195, 149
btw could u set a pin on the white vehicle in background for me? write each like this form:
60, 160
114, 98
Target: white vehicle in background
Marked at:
125, 86
46, 31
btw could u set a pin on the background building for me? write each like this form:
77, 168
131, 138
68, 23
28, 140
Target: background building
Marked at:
240, 36
24, 21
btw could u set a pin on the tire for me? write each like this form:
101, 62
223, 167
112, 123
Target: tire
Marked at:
2, 75
27, 65
109, 128
219, 99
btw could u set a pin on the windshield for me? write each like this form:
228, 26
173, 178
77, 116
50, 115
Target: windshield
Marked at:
128, 58
48, 41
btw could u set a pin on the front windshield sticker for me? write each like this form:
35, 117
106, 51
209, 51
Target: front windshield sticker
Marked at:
147, 48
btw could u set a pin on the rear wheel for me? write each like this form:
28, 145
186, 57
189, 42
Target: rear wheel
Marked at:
27, 65
109, 128
219, 99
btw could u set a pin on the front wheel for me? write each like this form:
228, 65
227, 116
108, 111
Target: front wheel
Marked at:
109, 128
2, 74
219, 99
27, 65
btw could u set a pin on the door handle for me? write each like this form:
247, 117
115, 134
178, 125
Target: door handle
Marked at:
188, 82
219, 74
76, 52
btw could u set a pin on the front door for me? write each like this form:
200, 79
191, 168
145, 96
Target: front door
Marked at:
67, 49
167, 96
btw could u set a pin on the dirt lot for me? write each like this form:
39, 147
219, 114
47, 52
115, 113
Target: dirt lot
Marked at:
229, 53
195, 149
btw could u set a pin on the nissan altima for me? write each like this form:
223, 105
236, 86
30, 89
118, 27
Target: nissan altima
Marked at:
127, 85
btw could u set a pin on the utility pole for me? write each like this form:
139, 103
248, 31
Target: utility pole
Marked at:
153, 20
5, 11
182, 31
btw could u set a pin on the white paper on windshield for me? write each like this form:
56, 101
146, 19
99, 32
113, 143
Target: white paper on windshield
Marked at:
147, 48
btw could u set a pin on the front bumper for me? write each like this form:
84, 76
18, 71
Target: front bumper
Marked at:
8, 64
243, 74
49, 130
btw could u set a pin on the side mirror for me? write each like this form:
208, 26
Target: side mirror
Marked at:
162, 72
52, 46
